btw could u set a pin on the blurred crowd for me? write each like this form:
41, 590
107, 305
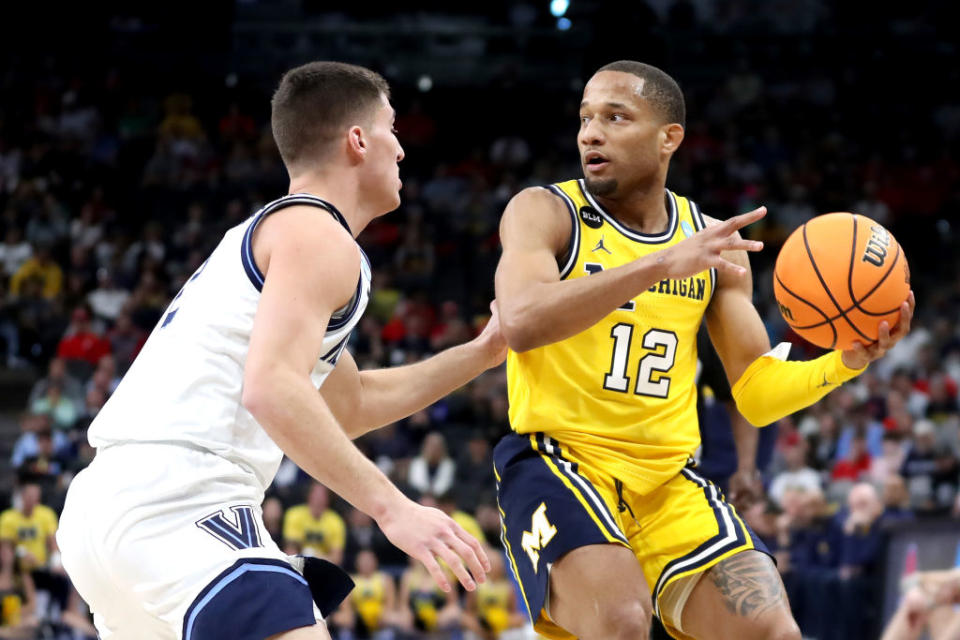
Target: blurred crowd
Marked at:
113, 191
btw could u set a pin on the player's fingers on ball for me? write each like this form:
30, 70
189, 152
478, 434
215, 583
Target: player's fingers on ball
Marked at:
883, 332
456, 565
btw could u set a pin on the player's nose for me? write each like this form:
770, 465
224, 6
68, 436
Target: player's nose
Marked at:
591, 134
400, 154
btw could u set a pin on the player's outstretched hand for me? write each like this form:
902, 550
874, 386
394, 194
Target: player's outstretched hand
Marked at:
703, 249
428, 534
860, 356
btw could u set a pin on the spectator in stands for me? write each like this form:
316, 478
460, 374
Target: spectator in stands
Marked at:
492, 608
314, 529
474, 477
432, 471
374, 598
28, 527
856, 464
126, 340
18, 598
81, 344
14, 252
896, 500
796, 476
70, 387
107, 300
423, 605
62, 410
30, 445
273, 518
930, 471
807, 534
41, 266
890, 460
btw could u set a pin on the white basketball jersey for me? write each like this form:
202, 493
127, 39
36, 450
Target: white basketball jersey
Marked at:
185, 385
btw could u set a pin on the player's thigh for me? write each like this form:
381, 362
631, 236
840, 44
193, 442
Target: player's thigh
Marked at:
599, 591
740, 598
316, 632
548, 510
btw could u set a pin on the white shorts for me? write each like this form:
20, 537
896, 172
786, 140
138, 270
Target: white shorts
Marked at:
167, 542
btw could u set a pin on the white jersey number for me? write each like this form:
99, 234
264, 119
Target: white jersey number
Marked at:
663, 352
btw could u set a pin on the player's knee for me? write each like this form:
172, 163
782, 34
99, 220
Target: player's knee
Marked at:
789, 631
780, 627
629, 621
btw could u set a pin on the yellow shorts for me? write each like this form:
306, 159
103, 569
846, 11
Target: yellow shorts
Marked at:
681, 528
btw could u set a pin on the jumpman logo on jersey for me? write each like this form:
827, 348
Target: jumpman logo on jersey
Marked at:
825, 383
600, 245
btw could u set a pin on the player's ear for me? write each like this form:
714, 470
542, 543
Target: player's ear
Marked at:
671, 136
356, 143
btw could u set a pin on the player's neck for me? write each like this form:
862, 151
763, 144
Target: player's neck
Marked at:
340, 190
643, 209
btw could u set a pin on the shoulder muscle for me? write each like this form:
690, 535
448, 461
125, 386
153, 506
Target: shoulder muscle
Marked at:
536, 218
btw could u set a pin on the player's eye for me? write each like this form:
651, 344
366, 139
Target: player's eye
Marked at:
584, 119
617, 117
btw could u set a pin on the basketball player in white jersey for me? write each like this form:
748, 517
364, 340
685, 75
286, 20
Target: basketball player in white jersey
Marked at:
162, 534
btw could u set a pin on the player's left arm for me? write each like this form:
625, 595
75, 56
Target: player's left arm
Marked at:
365, 400
765, 386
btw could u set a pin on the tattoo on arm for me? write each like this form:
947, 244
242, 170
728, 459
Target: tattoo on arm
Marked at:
749, 583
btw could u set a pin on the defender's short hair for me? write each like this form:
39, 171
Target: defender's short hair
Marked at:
315, 101
659, 89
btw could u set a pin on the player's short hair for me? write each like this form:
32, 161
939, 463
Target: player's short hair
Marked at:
314, 103
659, 89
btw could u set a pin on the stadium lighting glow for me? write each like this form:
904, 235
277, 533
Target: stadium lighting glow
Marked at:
559, 7
563, 24
424, 83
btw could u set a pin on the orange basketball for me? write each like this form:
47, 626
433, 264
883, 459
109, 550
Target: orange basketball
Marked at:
837, 277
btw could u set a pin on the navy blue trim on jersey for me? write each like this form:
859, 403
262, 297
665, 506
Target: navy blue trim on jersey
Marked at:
673, 218
701, 224
332, 356
253, 599
574, 244
731, 535
246, 246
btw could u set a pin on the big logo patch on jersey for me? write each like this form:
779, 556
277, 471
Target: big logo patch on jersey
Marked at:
591, 217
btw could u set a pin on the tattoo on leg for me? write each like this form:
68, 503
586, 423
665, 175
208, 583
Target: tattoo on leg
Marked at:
749, 583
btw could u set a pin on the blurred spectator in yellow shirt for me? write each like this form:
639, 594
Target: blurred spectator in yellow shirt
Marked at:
314, 529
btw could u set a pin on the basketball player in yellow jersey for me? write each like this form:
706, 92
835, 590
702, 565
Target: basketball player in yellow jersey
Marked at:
602, 285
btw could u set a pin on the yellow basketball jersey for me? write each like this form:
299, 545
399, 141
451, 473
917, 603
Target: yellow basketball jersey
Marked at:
621, 394
369, 598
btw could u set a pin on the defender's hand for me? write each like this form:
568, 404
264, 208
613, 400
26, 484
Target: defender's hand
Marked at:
491, 341
702, 250
427, 534
860, 356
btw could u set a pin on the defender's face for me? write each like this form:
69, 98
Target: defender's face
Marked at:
619, 133
384, 158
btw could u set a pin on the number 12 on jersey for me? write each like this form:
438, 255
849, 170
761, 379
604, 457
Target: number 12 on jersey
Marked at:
663, 346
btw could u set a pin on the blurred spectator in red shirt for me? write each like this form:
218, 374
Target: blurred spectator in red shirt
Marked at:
856, 464
80, 341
